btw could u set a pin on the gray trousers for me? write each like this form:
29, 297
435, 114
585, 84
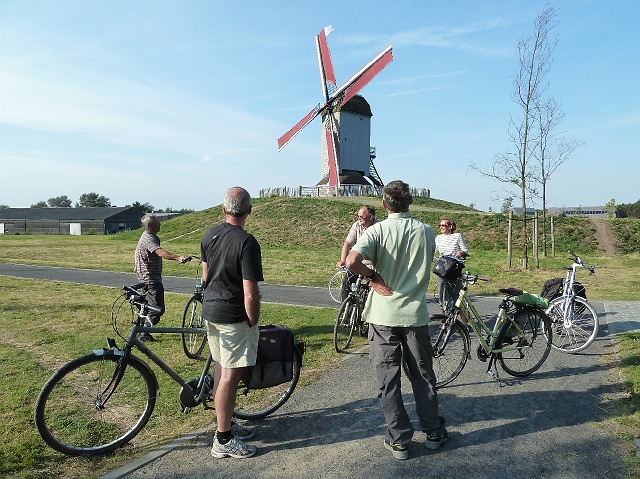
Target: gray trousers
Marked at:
387, 346
154, 294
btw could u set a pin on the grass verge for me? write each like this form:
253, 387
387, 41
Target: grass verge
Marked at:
45, 324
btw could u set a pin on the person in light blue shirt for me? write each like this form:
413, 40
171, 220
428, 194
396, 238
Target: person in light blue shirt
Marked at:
401, 250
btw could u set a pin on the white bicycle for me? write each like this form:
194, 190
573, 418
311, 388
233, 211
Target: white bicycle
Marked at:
574, 321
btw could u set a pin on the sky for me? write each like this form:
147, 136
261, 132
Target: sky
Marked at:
173, 102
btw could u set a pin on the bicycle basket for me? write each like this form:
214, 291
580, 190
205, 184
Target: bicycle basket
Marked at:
448, 267
530, 299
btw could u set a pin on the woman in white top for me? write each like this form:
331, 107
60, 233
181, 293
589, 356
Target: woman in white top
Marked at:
450, 243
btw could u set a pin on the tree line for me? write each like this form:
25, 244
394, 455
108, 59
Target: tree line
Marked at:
93, 200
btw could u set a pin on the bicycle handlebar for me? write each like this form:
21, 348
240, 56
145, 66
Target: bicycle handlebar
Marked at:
578, 260
136, 298
474, 278
188, 258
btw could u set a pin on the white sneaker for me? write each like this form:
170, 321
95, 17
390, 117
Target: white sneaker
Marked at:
234, 448
242, 432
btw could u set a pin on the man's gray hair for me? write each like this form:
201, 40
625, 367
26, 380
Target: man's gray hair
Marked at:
397, 196
237, 201
146, 219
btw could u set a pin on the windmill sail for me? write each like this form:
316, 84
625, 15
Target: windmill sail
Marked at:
335, 98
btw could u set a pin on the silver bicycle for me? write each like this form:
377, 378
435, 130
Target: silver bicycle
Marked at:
574, 321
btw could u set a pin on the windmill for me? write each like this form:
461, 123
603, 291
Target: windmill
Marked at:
335, 100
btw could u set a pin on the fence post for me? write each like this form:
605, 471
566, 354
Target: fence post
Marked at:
553, 239
535, 239
509, 238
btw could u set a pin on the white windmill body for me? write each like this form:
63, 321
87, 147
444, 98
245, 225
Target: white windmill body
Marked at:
346, 120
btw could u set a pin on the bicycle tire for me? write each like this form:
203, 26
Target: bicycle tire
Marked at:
335, 285
67, 415
450, 343
584, 325
534, 343
193, 343
345, 324
259, 403
448, 302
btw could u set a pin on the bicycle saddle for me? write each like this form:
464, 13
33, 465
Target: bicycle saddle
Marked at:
511, 291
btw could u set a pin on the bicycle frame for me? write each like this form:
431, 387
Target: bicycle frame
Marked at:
133, 340
478, 325
568, 293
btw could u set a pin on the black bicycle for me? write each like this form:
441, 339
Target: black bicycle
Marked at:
349, 319
99, 402
194, 341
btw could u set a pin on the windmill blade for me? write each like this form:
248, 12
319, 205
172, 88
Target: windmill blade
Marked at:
288, 136
327, 75
352, 86
334, 179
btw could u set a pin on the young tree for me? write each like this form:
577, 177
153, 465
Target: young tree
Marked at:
40, 204
92, 200
59, 202
551, 151
534, 60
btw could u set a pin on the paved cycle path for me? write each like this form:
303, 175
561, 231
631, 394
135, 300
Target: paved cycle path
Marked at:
544, 426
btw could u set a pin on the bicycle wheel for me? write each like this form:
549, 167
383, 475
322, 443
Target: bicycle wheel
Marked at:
583, 329
450, 344
345, 324
533, 344
335, 285
259, 403
80, 412
446, 300
193, 343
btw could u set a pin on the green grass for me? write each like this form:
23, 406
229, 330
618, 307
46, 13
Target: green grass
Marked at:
45, 324
56, 322
624, 419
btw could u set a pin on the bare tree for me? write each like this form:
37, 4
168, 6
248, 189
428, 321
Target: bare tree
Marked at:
534, 61
552, 151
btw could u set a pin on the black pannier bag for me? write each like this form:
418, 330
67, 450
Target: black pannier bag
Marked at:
274, 364
553, 288
448, 268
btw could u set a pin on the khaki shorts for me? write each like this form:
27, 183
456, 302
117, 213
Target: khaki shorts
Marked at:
233, 345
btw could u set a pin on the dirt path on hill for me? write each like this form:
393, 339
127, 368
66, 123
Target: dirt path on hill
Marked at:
604, 235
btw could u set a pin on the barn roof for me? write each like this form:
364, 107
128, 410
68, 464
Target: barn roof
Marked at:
72, 214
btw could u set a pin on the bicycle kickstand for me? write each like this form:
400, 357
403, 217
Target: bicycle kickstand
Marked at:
492, 370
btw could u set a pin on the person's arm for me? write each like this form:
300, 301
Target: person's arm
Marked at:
251, 300
355, 264
464, 251
166, 255
205, 272
346, 247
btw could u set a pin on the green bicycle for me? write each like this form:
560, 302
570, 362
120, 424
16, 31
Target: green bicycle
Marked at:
519, 341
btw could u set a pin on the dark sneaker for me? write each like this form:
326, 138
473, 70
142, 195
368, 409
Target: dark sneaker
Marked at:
234, 448
242, 432
435, 440
399, 451
146, 337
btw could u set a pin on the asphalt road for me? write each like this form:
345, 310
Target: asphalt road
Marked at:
544, 426
271, 293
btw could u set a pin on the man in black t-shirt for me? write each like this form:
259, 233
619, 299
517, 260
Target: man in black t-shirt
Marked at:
231, 270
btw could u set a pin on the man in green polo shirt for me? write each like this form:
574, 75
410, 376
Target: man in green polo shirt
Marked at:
401, 250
